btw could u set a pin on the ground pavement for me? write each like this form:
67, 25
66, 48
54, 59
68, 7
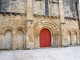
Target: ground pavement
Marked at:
64, 53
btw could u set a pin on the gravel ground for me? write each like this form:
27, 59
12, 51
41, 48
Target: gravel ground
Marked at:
64, 53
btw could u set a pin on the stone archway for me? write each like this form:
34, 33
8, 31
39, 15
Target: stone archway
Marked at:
52, 27
20, 38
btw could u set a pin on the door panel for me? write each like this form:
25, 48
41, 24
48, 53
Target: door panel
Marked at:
45, 38
42, 39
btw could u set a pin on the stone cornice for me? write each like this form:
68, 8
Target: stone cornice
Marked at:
12, 13
71, 18
36, 15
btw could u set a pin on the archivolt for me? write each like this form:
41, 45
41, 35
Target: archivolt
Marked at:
45, 24
72, 31
6, 29
75, 32
22, 29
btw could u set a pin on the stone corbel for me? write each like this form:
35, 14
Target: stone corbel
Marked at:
63, 23
31, 21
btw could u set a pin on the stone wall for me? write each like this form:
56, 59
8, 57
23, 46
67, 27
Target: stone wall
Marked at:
12, 31
50, 23
23, 30
70, 28
17, 6
54, 8
70, 8
39, 7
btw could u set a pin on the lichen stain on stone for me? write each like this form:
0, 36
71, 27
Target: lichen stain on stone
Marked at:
17, 6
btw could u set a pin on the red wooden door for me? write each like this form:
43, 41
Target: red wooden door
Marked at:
45, 38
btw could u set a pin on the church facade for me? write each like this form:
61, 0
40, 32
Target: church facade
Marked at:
31, 24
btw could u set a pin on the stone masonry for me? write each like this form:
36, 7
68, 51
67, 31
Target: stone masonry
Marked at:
21, 22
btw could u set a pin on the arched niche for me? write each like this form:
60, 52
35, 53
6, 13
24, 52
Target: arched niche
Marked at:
8, 39
20, 39
69, 38
74, 38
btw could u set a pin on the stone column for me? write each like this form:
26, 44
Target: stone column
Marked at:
2, 41
37, 43
30, 24
62, 21
52, 40
72, 39
59, 38
14, 42
55, 39
24, 41
77, 42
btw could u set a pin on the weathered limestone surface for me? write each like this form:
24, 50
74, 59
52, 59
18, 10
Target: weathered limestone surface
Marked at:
22, 31
38, 7
30, 25
54, 6
70, 8
71, 32
14, 24
18, 6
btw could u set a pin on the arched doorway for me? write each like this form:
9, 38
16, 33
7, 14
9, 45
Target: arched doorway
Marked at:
45, 38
